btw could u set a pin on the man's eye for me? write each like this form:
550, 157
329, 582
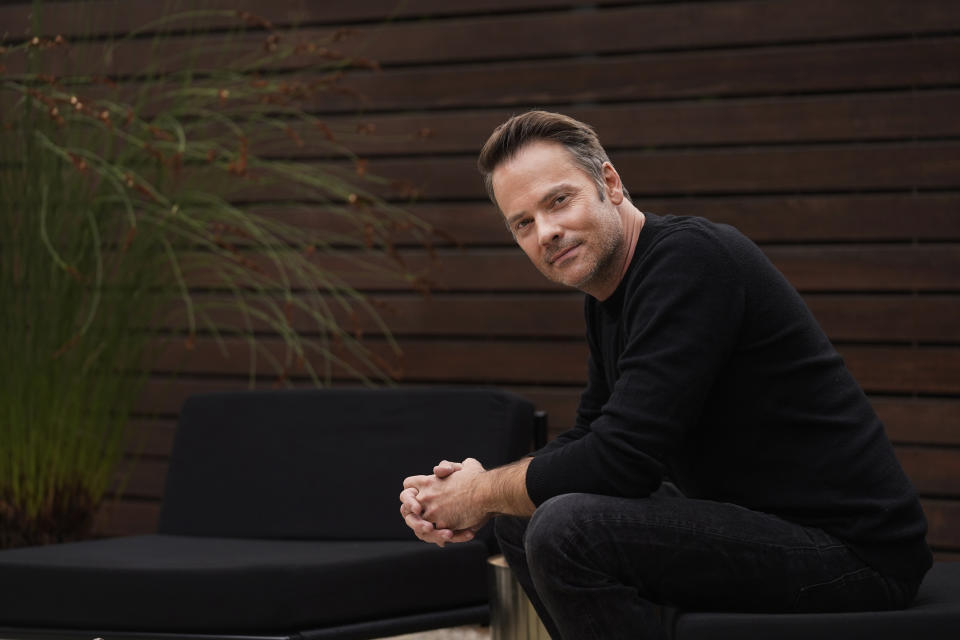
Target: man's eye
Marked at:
522, 224
559, 200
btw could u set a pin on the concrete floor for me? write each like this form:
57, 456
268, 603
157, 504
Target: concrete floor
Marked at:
453, 633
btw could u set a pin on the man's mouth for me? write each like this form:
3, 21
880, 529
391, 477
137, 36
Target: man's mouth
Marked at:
551, 259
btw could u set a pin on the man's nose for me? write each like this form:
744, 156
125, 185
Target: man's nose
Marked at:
548, 230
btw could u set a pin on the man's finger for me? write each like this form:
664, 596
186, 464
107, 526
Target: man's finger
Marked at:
464, 535
415, 481
472, 462
418, 524
446, 468
408, 499
425, 531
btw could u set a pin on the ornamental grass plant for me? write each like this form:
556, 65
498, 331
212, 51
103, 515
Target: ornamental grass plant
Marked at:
127, 227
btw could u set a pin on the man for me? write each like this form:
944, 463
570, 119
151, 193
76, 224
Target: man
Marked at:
705, 368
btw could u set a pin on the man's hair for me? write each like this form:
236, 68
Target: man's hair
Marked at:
577, 137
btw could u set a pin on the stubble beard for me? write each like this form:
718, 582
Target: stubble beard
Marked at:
605, 263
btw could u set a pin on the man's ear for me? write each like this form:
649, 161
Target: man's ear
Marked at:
612, 184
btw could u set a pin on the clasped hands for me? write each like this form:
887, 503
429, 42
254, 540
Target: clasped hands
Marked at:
446, 506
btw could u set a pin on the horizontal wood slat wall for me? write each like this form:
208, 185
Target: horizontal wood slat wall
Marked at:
826, 131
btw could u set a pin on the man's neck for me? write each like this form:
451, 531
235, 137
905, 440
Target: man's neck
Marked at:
633, 220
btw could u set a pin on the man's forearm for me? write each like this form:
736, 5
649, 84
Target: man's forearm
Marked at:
503, 491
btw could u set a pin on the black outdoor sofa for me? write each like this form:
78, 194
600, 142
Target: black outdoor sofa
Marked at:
934, 615
280, 520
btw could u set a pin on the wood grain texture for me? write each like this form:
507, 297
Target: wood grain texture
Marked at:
655, 76
761, 71
728, 121
67, 17
844, 317
574, 32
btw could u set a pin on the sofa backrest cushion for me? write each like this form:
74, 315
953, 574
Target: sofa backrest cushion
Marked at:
325, 464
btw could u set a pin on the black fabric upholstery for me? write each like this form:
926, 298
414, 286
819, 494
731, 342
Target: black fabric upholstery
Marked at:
181, 583
325, 464
934, 615
280, 518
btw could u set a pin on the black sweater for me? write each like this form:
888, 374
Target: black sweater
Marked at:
706, 366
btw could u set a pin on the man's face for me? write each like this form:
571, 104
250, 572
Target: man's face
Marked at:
555, 213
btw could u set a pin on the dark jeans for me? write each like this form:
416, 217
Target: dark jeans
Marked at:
596, 566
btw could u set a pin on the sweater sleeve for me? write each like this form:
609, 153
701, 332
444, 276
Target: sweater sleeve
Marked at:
682, 308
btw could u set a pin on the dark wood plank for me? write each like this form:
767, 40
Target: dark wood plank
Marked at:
845, 318
127, 517
442, 272
72, 18
888, 318
140, 478
657, 26
572, 33
164, 396
883, 65
933, 471
789, 119
150, 437
530, 362
943, 518
644, 28
890, 65
931, 370
842, 168
920, 420
869, 268
797, 218
476, 315
849, 117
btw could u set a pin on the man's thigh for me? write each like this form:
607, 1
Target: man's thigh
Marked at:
703, 555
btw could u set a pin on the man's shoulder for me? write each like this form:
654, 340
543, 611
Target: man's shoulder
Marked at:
692, 242
693, 229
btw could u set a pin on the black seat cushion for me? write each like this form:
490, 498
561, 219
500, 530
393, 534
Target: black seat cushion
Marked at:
934, 615
176, 583
326, 464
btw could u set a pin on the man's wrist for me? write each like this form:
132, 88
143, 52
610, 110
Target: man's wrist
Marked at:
503, 491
